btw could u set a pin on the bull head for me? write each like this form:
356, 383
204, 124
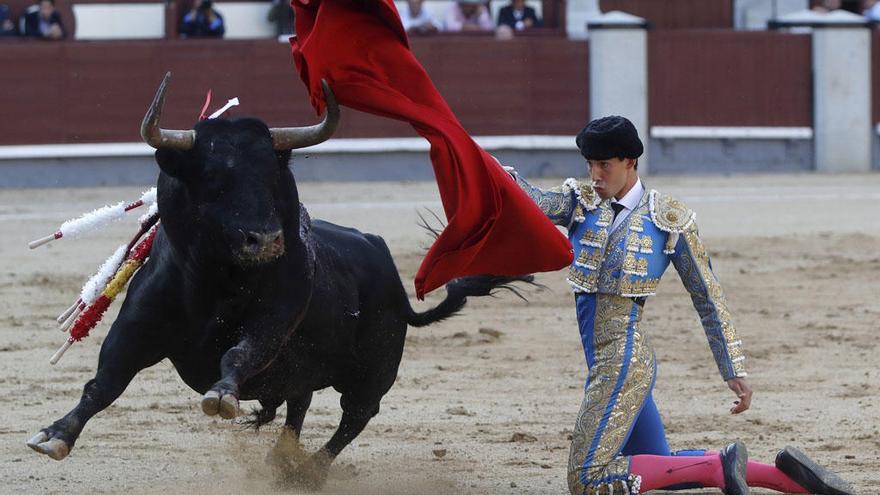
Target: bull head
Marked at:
283, 138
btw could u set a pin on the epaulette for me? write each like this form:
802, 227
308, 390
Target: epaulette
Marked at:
586, 195
669, 214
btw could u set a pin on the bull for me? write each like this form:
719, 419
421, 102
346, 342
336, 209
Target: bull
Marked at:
249, 298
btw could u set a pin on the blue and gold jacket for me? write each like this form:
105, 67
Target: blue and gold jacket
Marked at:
630, 260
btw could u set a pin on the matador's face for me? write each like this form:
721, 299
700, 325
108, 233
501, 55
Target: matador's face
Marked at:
611, 176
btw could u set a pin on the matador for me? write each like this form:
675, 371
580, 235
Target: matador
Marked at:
624, 236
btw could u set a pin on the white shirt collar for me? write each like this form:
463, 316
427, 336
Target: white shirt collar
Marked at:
631, 199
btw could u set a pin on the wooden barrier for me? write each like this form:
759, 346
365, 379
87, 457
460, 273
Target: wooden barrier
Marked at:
78, 92
86, 92
677, 14
729, 78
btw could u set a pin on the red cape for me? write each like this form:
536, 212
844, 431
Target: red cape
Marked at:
361, 49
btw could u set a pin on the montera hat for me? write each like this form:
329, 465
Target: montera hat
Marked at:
609, 137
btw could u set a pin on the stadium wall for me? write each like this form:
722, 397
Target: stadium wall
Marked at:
718, 100
91, 92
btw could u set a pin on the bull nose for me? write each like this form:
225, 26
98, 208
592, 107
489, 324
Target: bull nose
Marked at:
262, 240
263, 245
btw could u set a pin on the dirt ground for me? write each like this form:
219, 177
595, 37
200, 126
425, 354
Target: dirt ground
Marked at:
484, 403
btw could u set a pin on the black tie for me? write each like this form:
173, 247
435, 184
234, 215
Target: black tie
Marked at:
617, 207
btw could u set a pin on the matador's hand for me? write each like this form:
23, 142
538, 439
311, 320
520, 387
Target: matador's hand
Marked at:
743, 392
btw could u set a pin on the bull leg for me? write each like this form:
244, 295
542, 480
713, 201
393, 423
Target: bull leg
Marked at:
287, 450
122, 357
241, 362
355, 416
236, 365
296, 412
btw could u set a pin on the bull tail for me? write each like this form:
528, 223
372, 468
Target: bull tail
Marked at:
459, 289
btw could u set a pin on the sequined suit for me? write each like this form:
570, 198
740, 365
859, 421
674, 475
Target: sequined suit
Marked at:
613, 273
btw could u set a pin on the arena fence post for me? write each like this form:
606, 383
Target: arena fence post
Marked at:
619, 71
842, 140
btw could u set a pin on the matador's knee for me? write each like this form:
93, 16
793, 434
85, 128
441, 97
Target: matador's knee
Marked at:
613, 478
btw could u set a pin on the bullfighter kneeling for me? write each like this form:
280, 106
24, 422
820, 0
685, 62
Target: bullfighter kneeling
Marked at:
624, 236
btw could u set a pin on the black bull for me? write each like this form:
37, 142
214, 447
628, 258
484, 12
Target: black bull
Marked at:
249, 299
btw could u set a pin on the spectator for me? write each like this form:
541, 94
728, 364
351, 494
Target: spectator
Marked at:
504, 33
518, 16
282, 15
417, 20
467, 15
829, 5
202, 21
872, 10
43, 22
826, 5
7, 27
854, 6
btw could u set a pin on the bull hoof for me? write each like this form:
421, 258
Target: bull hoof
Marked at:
287, 452
55, 447
226, 406
311, 474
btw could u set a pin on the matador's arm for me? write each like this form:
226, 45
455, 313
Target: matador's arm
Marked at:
563, 204
695, 269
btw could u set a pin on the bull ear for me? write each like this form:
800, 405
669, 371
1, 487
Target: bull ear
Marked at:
172, 162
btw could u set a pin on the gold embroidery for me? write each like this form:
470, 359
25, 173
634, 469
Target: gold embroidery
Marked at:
632, 243
612, 319
635, 266
605, 217
581, 282
716, 297
627, 486
589, 260
629, 263
647, 245
556, 203
587, 196
669, 214
638, 287
606, 470
579, 213
629, 401
671, 241
595, 238
553, 205
636, 223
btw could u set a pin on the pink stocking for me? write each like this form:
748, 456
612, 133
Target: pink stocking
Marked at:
767, 476
658, 471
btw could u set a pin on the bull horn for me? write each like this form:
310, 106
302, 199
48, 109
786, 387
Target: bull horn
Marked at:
288, 138
157, 137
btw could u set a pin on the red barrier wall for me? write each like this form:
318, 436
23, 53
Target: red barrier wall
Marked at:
70, 92
729, 78
677, 14
73, 92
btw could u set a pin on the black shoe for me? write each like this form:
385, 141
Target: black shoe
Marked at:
813, 477
734, 458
